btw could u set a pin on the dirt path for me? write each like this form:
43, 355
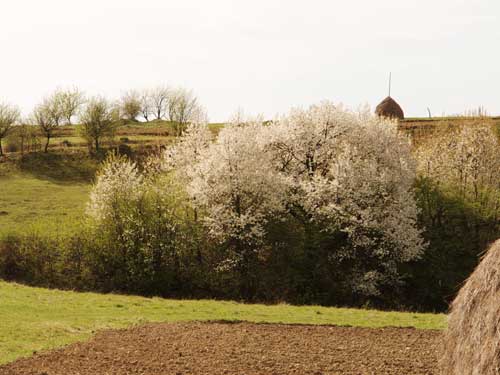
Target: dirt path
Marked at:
241, 349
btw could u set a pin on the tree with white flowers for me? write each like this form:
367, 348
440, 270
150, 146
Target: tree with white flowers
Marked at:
350, 174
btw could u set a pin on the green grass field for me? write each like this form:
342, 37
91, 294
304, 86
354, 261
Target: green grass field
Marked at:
35, 319
32, 204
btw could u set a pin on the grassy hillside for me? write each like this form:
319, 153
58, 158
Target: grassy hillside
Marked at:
35, 319
44, 192
134, 134
28, 203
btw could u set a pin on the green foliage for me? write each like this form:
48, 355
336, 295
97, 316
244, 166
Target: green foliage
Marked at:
458, 231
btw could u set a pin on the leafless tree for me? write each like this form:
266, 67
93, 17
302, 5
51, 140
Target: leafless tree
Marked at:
43, 117
159, 100
146, 106
71, 101
183, 108
98, 120
9, 115
53, 106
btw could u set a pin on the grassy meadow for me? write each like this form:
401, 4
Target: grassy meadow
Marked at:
44, 193
35, 319
28, 203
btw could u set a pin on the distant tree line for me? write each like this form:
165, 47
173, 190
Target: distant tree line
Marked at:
97, 117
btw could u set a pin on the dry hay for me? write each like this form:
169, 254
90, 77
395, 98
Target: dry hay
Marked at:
472, 341
389, 108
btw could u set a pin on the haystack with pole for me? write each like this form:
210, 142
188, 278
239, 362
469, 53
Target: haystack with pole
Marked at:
389, 108
471, 343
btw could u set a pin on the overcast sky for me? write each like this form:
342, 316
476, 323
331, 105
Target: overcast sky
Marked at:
263, 56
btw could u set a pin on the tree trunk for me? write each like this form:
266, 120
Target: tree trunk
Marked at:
47, 144
96, 144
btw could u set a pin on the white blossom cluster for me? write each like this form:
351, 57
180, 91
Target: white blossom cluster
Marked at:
118, 182
351, 171
354, 172
468, 160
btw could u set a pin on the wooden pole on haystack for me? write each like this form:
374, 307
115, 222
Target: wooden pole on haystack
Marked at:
390, 82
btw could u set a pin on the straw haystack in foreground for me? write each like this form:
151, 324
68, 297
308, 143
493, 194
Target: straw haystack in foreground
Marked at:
389, 108
472, 342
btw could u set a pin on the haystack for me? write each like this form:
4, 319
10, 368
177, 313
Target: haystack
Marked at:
389, 108
472, 342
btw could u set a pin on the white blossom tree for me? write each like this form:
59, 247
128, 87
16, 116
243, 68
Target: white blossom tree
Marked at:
232, 179
118, 182
349, 173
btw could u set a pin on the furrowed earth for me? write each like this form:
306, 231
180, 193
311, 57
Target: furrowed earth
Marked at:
241, 348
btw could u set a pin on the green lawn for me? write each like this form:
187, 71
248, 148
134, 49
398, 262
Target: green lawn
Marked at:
31, 203
34, 319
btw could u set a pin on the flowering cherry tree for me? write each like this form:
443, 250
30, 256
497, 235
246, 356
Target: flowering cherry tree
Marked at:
232, 180
346, 172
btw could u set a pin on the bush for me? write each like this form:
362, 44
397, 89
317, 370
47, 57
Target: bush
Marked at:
11, 147
66, 143
125, 150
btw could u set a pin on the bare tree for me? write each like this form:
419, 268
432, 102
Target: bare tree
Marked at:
53, 105
27, 137
9, 115
44, 118
159, 99
98, 120
71, 101
146, 106
130, 105
183, 108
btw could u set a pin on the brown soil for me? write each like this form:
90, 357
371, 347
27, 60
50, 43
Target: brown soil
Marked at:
242, 348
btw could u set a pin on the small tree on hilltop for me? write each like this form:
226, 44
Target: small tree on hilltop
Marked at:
54, 107
70, 101
183, 108
159, 101
146, 105
9, 115
98, 120
42, 118
130, 105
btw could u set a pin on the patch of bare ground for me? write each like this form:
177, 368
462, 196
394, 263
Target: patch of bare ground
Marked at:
241, 348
